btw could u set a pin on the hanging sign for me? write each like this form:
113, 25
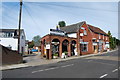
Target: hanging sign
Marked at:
48, 46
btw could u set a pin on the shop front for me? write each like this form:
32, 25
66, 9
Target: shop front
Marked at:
53, 46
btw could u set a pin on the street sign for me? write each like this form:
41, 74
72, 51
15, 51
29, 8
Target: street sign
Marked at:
48, 46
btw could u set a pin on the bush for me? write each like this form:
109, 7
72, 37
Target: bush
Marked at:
56, 54
66, 53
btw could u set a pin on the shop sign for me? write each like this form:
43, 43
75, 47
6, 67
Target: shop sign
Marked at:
57, 32
107, 42
81, 34
48, 46
94, 43
84, 42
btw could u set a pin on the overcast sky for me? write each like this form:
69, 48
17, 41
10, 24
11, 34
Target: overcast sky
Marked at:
39, 17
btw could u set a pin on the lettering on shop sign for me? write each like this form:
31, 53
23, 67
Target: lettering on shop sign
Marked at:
57, 32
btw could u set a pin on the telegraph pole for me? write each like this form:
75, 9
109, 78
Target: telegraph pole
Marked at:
19, 26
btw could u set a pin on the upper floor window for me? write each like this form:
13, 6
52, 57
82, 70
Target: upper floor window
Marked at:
6, 35
106, 38
99, 36
103, 36
85, 32
22, 37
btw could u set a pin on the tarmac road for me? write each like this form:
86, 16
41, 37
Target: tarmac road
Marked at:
101, 66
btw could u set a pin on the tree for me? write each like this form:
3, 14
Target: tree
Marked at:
61, 23
112, 40
36, 40
30, 44
117, 42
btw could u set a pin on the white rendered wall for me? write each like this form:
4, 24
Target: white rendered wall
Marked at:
9, 41
22, 43
74, 35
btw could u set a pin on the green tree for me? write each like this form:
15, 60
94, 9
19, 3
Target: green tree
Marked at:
61, 23
117, 42
112, 40
36, 40
31, 44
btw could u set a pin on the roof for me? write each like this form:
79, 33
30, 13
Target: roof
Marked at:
74, 27
71, 28
96, 30
9, 30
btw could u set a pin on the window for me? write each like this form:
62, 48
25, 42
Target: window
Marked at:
93, 40
103, 36
106, 38
22, 37
85, 32
84, 47
7, 35
99, 36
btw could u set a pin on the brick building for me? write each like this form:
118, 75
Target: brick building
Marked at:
80, 38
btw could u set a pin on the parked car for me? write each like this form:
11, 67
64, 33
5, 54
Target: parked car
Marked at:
34, 50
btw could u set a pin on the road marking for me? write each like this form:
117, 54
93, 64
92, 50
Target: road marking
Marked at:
90, 60
114, 70
67, 65
37, 71
51, 68
45, 70
105, 63
103, 75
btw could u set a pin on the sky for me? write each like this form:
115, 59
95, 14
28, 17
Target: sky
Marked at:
39, 17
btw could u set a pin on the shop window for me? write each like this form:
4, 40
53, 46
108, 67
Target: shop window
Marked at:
84, 47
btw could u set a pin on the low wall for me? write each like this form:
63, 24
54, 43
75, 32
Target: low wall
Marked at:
9, 56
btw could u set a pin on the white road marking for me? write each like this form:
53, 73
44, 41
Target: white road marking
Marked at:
114, 70
37, 71
90, 60
103, 75
105, 63
51, 68
44, 70
67, 65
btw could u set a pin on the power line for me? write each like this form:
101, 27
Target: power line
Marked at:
9, 18
30, 16
72, 13
59, 5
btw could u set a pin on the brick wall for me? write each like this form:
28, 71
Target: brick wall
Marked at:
9, 56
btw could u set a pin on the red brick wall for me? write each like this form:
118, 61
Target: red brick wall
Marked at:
10, 56
88, 38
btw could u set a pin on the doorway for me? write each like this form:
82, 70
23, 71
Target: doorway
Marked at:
65, 46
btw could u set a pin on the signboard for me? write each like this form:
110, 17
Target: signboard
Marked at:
94, 43
81, 34
48, 46
84, 42
57, 32
107, 42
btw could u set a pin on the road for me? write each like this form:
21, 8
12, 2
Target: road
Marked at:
100, 66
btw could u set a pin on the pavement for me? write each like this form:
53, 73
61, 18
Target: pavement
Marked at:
37, 61
99, 66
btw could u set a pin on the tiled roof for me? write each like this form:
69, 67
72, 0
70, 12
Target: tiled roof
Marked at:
71, 28
96, 30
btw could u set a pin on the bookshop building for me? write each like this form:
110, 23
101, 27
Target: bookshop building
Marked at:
74, 40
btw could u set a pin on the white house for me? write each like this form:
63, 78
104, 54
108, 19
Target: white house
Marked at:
9, 38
